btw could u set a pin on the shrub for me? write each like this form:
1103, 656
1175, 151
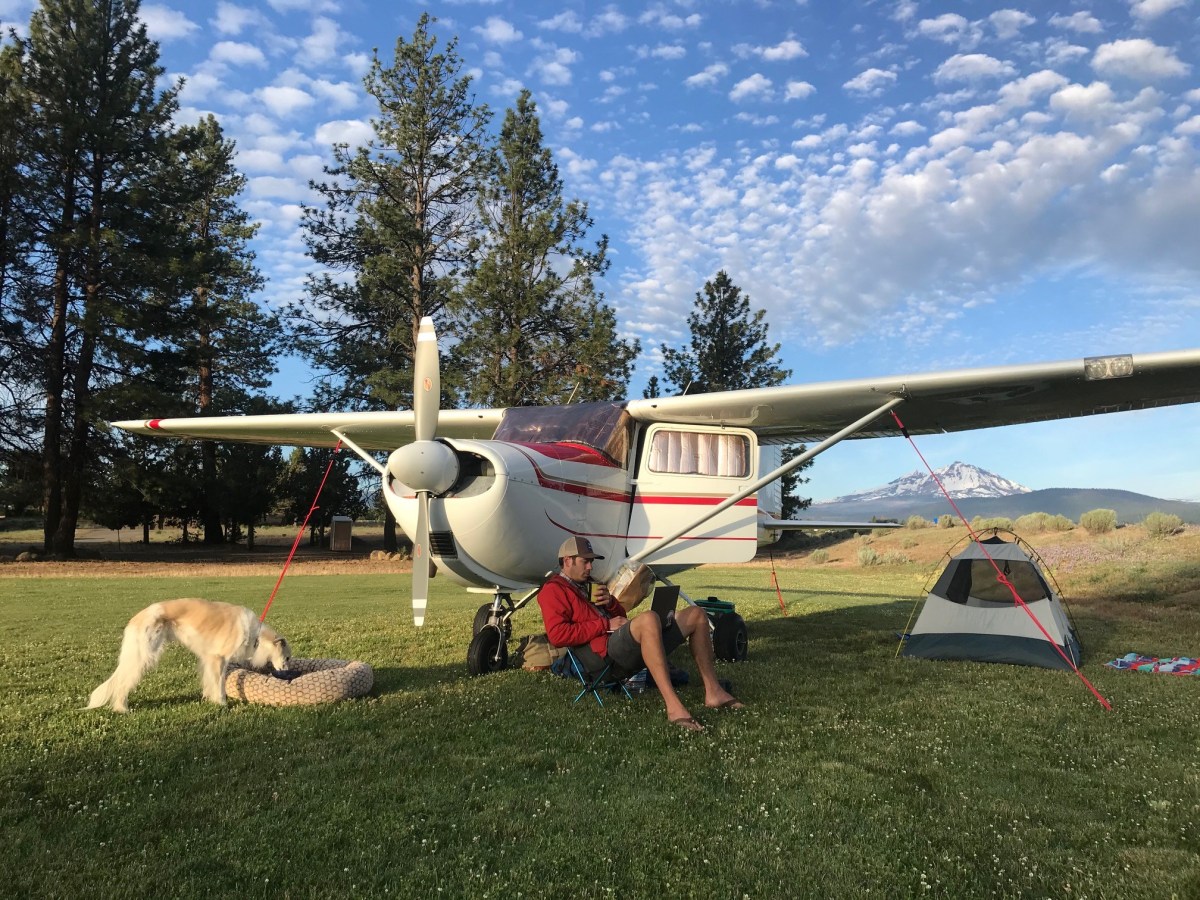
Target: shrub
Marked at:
894, 558
1159, 524
979, 523
1099, 521
947, 521
1033, 523
917, 522
867, 556
819, 556
1061, 523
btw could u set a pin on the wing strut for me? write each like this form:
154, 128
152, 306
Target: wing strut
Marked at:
768, 478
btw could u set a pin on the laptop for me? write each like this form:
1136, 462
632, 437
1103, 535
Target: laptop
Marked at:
666, 598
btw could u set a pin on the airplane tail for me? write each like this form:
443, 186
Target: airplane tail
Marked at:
142, 645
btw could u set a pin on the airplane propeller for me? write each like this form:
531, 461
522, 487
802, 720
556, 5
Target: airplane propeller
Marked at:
427, 466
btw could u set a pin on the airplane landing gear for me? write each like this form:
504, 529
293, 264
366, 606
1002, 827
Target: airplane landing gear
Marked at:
488, 651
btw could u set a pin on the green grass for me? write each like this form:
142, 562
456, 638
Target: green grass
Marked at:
851, 773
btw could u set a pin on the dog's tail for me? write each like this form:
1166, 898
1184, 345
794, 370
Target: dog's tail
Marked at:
145, 636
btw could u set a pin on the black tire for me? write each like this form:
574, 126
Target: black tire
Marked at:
488, 652
481, 619
730, 640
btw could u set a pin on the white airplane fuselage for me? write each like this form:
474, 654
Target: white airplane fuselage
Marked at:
515, 501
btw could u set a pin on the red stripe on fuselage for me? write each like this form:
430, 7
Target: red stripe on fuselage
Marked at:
156, 424
681, 500
570, 452
570, 487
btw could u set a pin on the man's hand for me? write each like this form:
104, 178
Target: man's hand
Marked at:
616, 622
600, 594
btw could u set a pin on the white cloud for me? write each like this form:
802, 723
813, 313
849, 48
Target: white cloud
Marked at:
269, 186
949, 28
555, 67
662, 51
255, 160
781, 52
1079, 22
233, 19
496, 30
1191, 126
1009, 22
660, 16
565, 21
972, 67
755, 86
798, 90
871, 82
236, 53
321, 45
353, 132
610, 21
284, 101
708, 77
907, 128
1138, 59
166, 24
1146, 10
340, 94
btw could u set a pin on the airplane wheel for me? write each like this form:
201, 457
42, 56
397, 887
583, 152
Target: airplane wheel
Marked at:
488, 652
730, 641
481, 618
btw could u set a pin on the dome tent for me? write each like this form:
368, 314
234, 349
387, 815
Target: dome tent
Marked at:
970, 614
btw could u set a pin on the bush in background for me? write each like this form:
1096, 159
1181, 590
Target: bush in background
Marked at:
947, 521
867, 556
819, 556
979, 523
1099, 521
918, 522
1159, 524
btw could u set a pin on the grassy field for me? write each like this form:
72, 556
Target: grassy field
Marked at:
851, 773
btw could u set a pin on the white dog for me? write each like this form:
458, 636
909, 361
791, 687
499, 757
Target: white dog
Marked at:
218, 633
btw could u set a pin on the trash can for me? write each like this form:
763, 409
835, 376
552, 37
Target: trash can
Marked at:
340, 533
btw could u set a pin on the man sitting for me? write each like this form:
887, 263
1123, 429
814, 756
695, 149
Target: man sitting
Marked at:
575, 616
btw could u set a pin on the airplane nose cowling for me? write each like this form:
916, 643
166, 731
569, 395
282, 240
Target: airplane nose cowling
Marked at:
424, 466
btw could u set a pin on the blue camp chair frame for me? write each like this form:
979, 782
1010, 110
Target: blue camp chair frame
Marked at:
602, 678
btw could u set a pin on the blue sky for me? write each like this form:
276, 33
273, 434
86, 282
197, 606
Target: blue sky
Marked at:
903, 185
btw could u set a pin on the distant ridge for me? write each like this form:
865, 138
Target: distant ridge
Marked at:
978, 492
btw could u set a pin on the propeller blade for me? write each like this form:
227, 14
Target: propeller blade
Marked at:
427, 383
420, 581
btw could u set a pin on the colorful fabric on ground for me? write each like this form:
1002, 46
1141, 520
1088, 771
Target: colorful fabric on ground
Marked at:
1168, 665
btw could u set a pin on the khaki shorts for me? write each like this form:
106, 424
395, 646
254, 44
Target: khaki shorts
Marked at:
626, 653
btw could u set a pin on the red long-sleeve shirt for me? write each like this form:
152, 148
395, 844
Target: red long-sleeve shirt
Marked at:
572, 619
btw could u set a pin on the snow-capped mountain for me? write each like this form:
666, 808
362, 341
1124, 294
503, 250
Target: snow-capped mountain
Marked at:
960, 479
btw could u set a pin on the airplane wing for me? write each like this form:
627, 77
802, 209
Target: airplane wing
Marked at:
370, 430
771, 524
943, 401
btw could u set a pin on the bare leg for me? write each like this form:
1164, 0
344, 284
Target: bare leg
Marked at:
647, 631
693, 622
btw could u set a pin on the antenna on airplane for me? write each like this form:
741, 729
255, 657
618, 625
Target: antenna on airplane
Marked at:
427, 466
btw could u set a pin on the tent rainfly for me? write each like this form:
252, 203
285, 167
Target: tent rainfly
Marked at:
970, 615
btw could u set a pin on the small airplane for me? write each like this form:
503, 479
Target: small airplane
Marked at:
669, 483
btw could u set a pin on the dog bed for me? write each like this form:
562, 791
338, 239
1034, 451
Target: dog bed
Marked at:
305, 683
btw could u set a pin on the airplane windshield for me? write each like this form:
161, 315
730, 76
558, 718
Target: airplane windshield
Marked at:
602, 426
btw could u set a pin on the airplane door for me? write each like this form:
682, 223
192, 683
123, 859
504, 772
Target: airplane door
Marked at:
683, 472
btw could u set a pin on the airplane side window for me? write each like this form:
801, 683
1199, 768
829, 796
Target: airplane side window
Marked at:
699, 453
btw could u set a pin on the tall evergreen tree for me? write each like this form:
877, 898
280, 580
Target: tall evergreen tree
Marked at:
398, 220
397, 225
536, 331
228, 339
95, 140
728, 347
729, 350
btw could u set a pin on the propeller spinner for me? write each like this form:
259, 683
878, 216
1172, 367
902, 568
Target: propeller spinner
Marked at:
427, 466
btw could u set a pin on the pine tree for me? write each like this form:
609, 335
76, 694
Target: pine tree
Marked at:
96, 137
399, 220
229, 341
536, 331
728, 350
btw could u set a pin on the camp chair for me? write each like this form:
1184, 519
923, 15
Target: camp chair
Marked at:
594, 673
